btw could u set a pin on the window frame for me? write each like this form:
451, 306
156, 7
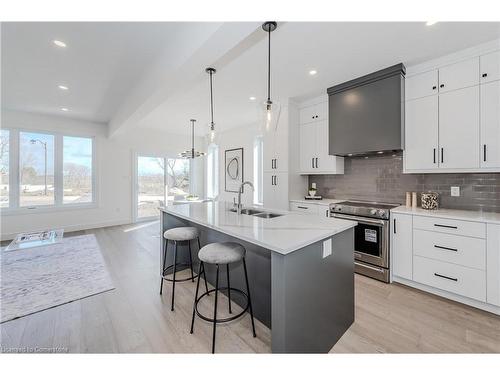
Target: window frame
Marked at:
14, 174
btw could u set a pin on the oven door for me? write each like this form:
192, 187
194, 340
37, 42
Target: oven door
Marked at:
370, 239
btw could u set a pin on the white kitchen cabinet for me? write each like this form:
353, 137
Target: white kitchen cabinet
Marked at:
421, 85
275, 152
421, 133
490, 125
459, 75
314, 113
401, 245
306, 208
493, 264
490, 67
459, 129
275, 190
307, 141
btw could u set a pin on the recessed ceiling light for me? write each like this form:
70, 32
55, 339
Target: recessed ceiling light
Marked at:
313, 72
64, 109
252, 98
430, 23
62, 87
59, 43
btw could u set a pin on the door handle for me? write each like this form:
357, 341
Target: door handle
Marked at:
442, 154
275, 163
434, 157
445, 277
441, 85
445, 248
275, 180
484, 75
394, 226
312, 161
484, 152
316, 162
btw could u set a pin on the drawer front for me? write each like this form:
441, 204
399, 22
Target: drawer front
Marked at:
450, 226
304, 208
464, 251
453, 278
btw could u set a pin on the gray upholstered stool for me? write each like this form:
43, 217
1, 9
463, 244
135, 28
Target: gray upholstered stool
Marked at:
179, 235
221, 253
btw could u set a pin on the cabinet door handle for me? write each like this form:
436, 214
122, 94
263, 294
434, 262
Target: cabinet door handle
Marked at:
484, 152
434, 157
485, 75
445, 277
302, 207
316, 162
441, 85
445, 248
434, 87
442, 154
275, 180
275, 163
312, 161
394, 229
327, 211
445, 226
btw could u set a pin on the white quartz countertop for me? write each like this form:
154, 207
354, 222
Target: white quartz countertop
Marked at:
283, 234
320, 202
445, 213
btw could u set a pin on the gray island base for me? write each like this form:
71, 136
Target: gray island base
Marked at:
304, 297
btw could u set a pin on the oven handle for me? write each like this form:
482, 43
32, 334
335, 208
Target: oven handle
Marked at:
360, 219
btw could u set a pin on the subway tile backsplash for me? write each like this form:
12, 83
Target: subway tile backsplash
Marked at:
380, 178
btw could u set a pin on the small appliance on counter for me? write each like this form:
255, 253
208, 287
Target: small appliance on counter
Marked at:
312, 193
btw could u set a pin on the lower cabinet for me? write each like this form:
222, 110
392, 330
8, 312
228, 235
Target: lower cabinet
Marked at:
493, 264
455, 258
401, 244
310, 208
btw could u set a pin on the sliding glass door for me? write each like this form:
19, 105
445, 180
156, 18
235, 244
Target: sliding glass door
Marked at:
159, 179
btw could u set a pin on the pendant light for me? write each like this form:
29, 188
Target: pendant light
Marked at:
211, 137
271, 109
191, 154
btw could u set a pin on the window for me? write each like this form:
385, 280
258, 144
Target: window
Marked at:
258, 170
177, 178
36, 169
4, 168
77, 170
150, 186
213, 171
41, 169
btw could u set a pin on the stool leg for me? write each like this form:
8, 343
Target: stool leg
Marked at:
228, 288
249, 299
204, 274
196, 296
191, 261
175, 269
215, 308
164, 262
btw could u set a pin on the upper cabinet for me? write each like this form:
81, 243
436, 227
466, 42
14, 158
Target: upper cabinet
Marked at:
490, 67
313, 142
452, 117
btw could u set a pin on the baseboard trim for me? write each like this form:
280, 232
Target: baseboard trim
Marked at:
72, 228
452, 296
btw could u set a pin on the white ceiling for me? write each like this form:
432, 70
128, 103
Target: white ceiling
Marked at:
105, 64
101, 64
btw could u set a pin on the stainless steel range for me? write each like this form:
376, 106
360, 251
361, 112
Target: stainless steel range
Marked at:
371, 235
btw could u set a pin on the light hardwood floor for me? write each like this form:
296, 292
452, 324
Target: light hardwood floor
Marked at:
135, 318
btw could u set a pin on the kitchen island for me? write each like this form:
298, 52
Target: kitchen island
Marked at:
300, 267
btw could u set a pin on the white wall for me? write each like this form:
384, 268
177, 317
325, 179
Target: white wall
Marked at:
115, 162
242, 136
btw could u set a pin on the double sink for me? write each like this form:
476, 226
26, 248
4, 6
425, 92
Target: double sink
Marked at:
256, 213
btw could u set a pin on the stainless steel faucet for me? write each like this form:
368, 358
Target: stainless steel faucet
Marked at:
239, 206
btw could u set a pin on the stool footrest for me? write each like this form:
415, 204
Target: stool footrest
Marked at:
176, 279
225, 320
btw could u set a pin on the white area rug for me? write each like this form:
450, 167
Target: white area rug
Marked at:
39, 278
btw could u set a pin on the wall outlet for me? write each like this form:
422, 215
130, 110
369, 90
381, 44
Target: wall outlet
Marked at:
327, 248
455, 191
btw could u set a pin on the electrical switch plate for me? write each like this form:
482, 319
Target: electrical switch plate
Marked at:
455, 191
327, 248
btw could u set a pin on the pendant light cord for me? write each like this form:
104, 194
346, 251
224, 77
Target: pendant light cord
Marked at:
211, 103
269, 66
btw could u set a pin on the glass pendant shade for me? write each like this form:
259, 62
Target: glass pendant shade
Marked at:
211, 136
270, 117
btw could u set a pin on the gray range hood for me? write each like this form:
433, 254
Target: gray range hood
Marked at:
366, 115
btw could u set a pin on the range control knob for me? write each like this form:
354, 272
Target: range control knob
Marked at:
373, 211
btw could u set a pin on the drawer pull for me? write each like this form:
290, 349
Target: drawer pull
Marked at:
304, 208
445, 226
445, 277
445, 248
